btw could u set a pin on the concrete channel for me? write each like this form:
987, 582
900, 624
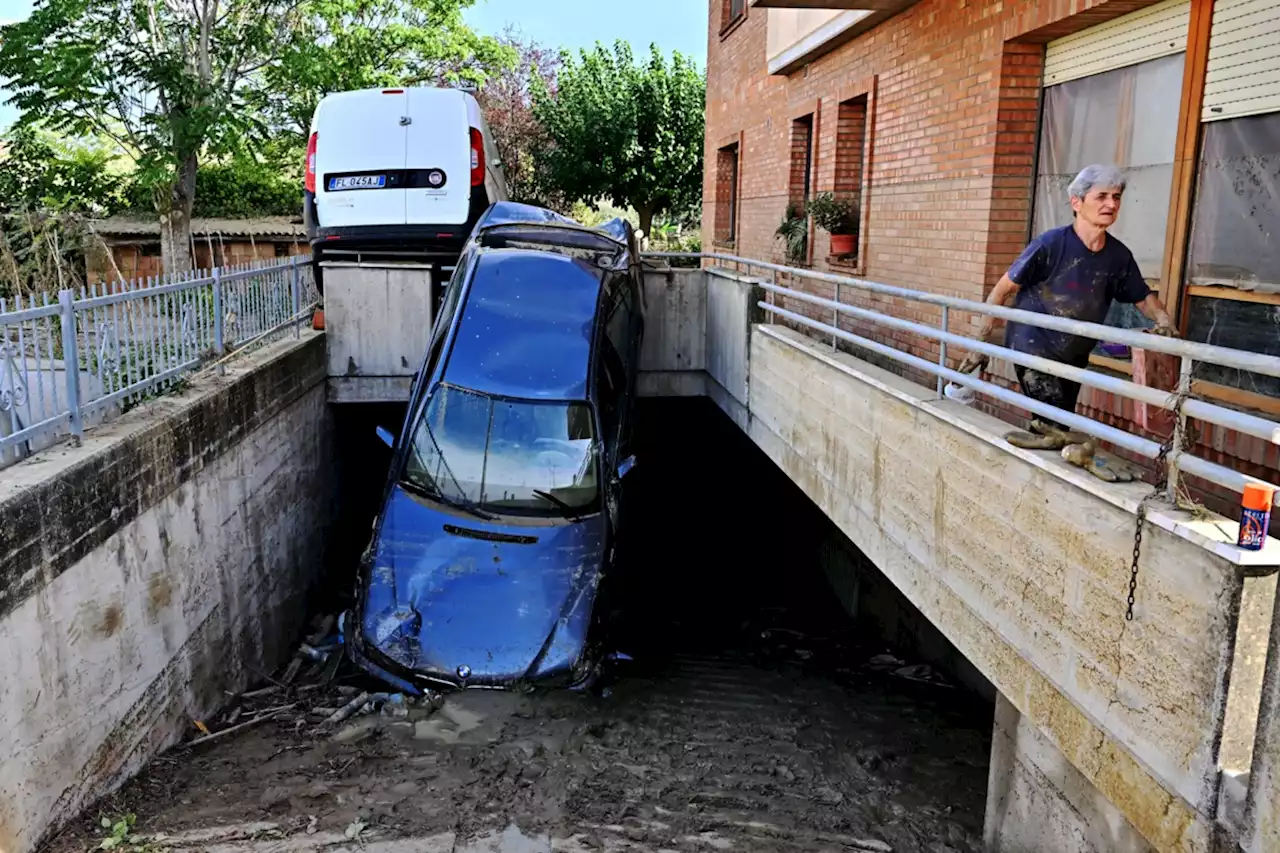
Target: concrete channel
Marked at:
758, 714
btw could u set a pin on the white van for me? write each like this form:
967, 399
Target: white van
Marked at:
406, 171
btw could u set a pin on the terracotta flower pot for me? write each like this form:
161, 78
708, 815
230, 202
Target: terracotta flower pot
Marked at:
842, 244
317, 319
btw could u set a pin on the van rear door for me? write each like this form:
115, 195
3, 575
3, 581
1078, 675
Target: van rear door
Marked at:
438, 158
360, 158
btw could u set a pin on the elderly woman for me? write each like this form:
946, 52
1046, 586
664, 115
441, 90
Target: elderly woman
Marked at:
1074, 271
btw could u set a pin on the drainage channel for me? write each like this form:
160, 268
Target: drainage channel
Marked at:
755, 716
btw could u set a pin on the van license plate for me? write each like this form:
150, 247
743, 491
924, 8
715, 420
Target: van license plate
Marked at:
358, 182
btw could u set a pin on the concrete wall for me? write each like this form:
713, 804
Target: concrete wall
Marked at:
143, 574
1023, 564
378, 320
673, 357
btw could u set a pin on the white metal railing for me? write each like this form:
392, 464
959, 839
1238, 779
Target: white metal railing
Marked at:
1175, 457
89, 354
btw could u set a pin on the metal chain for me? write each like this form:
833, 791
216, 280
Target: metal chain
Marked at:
1162, 467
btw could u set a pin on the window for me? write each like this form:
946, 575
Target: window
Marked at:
801, 159
851, 134
1127, 117
731, 11
282, 250
502, 455
1233, 268
726, 217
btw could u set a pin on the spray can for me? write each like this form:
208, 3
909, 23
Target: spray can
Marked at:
1255, 516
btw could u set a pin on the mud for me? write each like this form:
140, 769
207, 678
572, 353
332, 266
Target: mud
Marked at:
755, 717
766, 748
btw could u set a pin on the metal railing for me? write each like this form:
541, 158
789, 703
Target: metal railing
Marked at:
78, 360
1190, 352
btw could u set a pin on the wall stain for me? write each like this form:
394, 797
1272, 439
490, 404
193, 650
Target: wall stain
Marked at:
159, 596
110, 618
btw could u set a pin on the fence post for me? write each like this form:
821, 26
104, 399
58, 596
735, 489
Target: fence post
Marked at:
1179, 428
942, 349
296, 285
219, 347
835, 321
71, 363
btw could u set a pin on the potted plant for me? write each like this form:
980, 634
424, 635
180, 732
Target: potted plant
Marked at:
839, 218
794, 231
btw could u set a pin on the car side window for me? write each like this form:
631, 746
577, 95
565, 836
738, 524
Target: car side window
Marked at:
619, 327
448, 305
611, 387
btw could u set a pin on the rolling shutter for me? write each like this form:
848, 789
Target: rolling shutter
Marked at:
1159, 30
1244, 60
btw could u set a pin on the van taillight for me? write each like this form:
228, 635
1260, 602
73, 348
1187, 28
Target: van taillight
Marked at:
311, 163
477, 158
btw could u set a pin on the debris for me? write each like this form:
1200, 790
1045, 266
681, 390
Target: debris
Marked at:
354, 830
356, 732
201, 726
258, 694
261, 718
885, 662
346, 710
307, 650
396, 707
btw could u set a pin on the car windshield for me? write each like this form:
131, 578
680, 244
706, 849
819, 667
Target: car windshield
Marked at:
504, 455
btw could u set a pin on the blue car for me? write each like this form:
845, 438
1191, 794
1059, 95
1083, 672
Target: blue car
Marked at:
492, 554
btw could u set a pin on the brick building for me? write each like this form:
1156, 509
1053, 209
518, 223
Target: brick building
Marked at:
954, 127
134, 244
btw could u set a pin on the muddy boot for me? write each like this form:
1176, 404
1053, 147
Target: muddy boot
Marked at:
1045, 436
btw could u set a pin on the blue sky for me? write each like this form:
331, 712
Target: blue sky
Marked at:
673, 24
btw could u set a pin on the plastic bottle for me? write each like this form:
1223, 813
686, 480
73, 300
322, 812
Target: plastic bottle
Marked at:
1255, 516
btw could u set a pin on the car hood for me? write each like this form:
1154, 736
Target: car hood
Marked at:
457, 598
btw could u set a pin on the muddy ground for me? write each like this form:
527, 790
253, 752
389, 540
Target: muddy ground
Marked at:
755, 717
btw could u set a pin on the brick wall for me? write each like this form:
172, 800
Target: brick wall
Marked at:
951, 90
726, 166
135, 261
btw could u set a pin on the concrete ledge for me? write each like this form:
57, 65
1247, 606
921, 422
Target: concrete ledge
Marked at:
1025, 569
144, 573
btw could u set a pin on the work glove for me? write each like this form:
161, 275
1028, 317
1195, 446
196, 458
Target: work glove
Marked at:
1165, 330
1104, 466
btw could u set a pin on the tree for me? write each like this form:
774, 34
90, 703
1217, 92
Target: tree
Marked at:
507, 101
42, 170
175, 81
165, 79
342, 45
633, 133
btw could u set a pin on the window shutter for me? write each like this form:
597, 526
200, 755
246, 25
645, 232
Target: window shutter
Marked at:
1159, 30
1244, 60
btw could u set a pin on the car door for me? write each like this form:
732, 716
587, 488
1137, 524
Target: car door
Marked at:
620, 329
438, 158
360, 158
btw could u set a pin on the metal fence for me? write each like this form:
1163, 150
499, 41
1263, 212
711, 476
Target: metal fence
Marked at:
77, 360
1173, 454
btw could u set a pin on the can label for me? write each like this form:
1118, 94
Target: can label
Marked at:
1253, 528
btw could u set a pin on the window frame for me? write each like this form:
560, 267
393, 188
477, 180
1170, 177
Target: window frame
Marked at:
734, 150
730, 21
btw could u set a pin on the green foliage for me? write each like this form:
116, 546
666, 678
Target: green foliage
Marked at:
232, 188
42, 170
342, 45
834, 215
794, 231
627, 131
163, 80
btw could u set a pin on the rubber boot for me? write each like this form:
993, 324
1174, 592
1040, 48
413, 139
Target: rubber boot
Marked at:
1045, 436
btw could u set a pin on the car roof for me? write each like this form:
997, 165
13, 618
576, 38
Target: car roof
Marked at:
527, 325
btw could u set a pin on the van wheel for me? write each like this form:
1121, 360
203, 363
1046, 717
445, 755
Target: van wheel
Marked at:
317, 274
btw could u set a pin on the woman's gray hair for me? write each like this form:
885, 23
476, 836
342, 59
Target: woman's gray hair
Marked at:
1096, 176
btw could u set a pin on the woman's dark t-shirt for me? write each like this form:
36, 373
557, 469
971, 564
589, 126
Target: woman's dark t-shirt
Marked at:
1057, 274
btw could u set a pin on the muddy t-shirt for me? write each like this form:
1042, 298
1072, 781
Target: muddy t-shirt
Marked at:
1057, 274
